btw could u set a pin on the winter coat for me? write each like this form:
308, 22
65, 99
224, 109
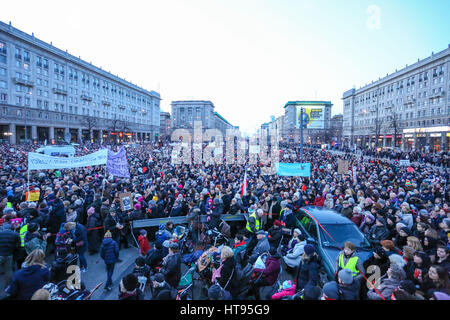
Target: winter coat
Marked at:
387, 287
377, 234
292, 259
308, 272
144, 245
284, 292
33, 242
56, 217
261, 247
9, 242
154, 257
81, 235
274, 236
345, 292
227, 273
27, 281
172, 270
271, 271
109, 251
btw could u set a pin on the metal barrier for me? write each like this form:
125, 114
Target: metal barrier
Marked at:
183, 219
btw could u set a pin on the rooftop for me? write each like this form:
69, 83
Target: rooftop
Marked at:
218, 115
308, 103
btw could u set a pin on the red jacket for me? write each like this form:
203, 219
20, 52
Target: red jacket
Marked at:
319, 201
144, 245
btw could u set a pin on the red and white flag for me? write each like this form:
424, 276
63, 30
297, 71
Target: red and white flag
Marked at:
244, 185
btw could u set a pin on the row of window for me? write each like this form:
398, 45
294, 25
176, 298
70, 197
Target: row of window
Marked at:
23, 60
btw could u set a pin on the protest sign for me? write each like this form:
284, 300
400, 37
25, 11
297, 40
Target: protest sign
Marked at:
342, 166
126, 201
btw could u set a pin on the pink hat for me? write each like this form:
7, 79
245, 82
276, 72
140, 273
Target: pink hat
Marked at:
137, 206
91, 210
180, 186
141, 199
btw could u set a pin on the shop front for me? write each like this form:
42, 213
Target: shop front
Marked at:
435, 142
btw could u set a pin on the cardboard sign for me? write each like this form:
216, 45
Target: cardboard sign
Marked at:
32, 196
342, 166
126, 201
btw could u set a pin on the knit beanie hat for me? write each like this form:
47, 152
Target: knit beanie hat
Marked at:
108, 234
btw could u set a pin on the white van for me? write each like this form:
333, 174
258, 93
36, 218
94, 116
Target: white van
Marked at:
65, 151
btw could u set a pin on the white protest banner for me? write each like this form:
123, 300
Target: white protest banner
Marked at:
37, 161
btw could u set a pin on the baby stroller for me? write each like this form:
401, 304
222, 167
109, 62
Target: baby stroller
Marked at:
59, 269
60, 291
181, 234
186, 285
213, 237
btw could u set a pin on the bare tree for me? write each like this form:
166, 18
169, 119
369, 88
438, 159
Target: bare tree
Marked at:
396, 125
90, 123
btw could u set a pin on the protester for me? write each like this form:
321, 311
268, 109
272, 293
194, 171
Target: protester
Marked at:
109, 251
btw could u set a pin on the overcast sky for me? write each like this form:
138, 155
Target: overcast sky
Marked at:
249, 57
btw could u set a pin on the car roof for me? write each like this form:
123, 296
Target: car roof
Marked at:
326, 216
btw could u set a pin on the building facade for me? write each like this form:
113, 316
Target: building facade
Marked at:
165, 125
336, 128
184, 113
222, 124
408, 109
290, 132
47, 94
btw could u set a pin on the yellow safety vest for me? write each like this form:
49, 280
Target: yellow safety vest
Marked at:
257, 226
351, 264
9, 204
23, 232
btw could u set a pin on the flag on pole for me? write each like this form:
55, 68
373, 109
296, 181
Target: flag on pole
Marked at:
244, 185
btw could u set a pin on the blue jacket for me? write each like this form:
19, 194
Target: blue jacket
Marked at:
81, 235
27, 281
109, 251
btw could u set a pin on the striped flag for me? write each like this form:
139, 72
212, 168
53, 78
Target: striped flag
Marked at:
244, 185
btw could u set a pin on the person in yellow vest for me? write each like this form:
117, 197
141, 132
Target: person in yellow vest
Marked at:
347, 259
253, 226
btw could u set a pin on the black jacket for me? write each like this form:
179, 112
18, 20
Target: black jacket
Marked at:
9, 242
275, 235
227, 273
172, 270
308, 273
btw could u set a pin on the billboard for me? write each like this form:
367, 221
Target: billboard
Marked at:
313, 117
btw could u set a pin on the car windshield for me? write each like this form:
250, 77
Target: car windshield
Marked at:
341, 233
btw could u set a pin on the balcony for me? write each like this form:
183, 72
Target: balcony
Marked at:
85, 97
106, 103
121, 107
134, 109
60, 91
23, 82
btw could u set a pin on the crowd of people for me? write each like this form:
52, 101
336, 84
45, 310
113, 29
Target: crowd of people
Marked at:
402, 210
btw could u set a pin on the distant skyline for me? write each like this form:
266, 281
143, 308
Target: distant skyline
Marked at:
248, 57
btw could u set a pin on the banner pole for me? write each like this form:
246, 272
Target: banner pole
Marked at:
103, 184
